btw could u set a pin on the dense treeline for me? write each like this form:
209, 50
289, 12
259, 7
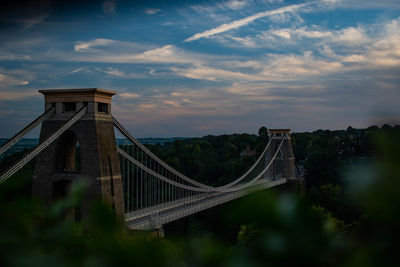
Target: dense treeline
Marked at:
349, 214
214, 160
327, 157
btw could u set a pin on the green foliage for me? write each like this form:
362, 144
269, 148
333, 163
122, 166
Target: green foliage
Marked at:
284, 230
334, 200
32, 234
271, 229
277, 229
328, 155
22, 179
214, 160
263, 133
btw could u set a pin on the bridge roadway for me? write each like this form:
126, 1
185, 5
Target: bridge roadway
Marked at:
154, 217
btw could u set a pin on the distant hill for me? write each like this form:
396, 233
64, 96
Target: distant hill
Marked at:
151, 140
28, 143
23, 144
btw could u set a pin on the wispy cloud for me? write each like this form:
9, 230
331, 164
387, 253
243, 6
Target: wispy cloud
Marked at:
343, 52
109, 71
242, 22
118, 73
129, 95
165, 54
296, 37
202, 109
212, 74
78, 70
108, 7
30, 22
6, 80
183, 103
272, 68
85, 46
152, 11
336, 51
112, 51
236, 4
373, 4
13, 95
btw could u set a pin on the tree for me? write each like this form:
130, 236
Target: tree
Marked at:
263, 133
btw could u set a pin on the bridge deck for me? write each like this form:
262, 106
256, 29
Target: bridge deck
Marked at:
156, 216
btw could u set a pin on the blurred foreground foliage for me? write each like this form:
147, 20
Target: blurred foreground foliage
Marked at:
276, 229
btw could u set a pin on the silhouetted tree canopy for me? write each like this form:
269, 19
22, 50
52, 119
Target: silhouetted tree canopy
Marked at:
263, 133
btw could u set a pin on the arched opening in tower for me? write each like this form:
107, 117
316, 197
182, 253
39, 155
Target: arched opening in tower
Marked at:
68, 153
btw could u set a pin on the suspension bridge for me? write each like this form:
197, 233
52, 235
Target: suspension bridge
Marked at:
141, 187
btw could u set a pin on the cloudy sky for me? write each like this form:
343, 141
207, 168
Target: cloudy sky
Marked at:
191, 68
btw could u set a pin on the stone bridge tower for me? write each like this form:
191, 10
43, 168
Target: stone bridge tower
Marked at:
284, 163
87, 150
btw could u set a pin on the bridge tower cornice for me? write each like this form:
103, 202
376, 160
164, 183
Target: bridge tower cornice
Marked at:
77, 95
279, 133
286, 161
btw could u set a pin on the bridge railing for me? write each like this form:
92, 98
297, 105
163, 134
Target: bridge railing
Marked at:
147, 184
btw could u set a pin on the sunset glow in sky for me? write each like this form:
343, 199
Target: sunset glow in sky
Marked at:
191, 68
